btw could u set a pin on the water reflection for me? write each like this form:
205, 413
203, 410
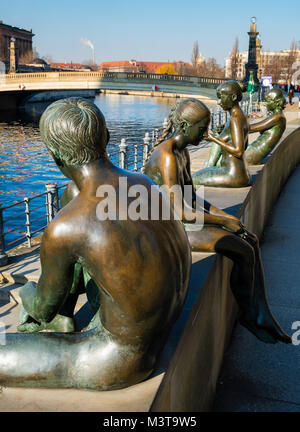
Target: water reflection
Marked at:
25, 165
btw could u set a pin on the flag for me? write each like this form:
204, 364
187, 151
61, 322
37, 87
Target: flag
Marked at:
251, 85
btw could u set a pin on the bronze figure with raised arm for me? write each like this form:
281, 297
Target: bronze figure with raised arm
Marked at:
169, 164
270, 129
140, 268
233, 140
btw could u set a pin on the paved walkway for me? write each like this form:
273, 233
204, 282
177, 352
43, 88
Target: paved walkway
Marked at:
256, 376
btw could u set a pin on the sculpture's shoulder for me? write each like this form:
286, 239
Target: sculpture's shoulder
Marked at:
69, 193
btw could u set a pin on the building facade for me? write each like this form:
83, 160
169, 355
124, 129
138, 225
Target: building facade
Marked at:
267, 62
135, 66
23, 43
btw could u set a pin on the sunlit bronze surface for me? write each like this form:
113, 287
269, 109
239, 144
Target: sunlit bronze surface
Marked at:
169, 164
140, 268
271, 128
233, 140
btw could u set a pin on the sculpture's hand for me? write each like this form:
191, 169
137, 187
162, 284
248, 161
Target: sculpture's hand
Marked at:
234, 225
205, 136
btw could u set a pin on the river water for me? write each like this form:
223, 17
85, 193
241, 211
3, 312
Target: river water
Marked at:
25, 165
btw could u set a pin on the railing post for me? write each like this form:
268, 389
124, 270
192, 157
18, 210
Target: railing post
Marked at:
52, 201
3, 255
146, 146
27, 213
135, 157
123, 154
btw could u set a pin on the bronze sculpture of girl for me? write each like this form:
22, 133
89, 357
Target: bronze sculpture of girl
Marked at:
169, 164
233, 140
270, 129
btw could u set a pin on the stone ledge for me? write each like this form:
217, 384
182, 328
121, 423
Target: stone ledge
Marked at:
200, 335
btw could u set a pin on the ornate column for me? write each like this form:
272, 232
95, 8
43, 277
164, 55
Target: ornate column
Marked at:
252, 66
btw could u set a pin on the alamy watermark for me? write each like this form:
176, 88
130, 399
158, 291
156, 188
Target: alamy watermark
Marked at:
296, 334
138, 202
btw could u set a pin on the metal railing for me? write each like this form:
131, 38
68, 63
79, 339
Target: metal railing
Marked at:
100, 75
29, 225
127, 157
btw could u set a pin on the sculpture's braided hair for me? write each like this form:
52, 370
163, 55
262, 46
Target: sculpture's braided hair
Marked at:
186, 113
165, 133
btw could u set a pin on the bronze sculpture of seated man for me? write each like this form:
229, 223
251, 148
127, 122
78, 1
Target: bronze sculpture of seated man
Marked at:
141, 268
169, 164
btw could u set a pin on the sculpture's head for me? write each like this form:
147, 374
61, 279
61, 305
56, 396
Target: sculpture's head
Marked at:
74, 132
275, 100
230, 93
191, 118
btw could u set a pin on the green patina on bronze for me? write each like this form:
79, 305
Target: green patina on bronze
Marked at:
233, 140
271, 130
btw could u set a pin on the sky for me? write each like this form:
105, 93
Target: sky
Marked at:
152, 30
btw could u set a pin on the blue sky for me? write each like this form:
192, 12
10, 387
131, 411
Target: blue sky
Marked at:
151, 30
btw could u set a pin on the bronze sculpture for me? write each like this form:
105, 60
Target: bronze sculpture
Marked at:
169, 164
233, 140
271, 130
139, 298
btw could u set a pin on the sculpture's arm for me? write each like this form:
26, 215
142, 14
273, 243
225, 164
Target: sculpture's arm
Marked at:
237, 135
265, 124
42, 302
188, 214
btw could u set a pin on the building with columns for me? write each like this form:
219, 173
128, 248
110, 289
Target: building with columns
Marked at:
23, 43
263, 59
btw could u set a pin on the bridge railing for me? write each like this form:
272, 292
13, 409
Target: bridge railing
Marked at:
130, 157
100, 75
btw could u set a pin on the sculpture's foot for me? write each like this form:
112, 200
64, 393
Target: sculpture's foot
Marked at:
60, 324
268, 331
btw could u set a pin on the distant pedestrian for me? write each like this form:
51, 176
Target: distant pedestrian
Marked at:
291, 95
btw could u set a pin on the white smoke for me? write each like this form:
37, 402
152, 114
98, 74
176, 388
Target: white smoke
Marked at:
88, 43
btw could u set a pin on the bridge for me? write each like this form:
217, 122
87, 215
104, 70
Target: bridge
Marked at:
31, 87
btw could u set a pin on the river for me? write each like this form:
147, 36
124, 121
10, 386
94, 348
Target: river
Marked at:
25, 165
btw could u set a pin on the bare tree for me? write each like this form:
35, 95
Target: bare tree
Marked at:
35, 52
212, 67
234, 59
195, 56
275, 67
290, 60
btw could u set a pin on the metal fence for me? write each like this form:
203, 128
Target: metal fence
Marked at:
127, 157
